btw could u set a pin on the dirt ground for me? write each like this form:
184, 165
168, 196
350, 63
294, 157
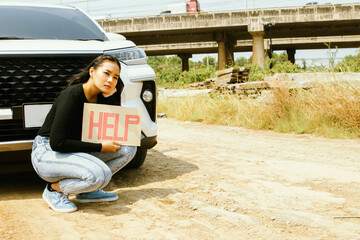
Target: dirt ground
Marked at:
208, 182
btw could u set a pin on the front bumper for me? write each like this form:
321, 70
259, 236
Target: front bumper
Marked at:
16, 145
148, 142
9, 146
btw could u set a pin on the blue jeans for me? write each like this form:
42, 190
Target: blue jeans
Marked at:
78, 172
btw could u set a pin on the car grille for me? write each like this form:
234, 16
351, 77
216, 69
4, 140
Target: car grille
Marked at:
29, 80
37, 79
11, 130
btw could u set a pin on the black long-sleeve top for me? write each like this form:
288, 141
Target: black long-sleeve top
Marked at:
63, 124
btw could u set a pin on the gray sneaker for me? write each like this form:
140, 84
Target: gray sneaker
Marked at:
96, 196
59, 202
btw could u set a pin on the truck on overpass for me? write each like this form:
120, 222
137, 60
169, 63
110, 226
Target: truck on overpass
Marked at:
192, 6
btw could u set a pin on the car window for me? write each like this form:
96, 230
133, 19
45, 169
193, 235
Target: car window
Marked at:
47, 23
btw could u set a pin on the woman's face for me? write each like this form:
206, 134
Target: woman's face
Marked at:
105, 76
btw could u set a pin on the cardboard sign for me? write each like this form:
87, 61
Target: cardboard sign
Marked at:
107, 122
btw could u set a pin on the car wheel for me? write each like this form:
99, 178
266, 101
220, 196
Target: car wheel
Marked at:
138, 160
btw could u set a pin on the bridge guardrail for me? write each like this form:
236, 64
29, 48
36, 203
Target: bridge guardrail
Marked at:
334, 6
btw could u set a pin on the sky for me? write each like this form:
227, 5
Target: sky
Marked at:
126, 8
122, 8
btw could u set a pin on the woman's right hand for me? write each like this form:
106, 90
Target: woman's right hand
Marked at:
110, 146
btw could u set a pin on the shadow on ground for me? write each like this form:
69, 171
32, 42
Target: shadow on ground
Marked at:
126, 198
157, 167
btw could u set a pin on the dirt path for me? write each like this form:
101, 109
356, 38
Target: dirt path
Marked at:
208, 182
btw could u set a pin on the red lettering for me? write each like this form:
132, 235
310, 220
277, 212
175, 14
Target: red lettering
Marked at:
106, 126
103, 126
116, 138
92, 124
128, 121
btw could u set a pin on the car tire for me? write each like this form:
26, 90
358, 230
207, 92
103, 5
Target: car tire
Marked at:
138, 160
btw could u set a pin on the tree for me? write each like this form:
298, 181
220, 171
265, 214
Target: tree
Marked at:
242, 62
212, 60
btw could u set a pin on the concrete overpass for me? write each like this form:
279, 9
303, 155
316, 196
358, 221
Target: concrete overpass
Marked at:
288, 28
246, 45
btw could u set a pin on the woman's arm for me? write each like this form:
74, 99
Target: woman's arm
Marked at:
68, 113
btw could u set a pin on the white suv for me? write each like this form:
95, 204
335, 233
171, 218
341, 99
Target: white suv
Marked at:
41, 46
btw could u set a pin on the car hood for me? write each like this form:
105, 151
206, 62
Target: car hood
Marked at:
16, 47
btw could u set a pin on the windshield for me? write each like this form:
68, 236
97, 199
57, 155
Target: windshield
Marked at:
27, 22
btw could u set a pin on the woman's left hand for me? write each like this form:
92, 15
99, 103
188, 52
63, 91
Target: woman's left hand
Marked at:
110, 146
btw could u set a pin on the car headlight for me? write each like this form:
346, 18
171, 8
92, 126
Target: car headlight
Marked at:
130, 56
147, 96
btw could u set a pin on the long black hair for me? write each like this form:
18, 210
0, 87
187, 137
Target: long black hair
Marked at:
84, 75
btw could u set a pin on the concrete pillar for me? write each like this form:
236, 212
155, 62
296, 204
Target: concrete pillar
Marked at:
257, 31
221, 55
229, 48
220, 39
258, 48
225, 50
185, 60
291, 54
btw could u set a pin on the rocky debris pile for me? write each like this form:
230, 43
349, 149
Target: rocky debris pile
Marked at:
232, 81
207, 84
224, 77
233, 75
242, 90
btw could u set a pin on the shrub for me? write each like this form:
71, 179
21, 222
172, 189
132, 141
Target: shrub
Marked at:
331, 110
349, 64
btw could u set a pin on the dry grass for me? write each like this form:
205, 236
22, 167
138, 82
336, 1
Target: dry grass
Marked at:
331, 110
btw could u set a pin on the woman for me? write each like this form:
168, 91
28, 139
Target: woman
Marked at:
69, 165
